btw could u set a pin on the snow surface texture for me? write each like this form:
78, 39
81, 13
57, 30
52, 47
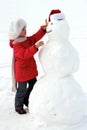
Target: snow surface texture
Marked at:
57, 97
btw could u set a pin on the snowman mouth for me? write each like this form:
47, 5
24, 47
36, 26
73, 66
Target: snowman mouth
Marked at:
49, 31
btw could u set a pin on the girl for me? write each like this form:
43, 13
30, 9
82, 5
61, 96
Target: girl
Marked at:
24, 65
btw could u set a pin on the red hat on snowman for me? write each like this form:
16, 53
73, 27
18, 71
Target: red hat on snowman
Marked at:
56, 15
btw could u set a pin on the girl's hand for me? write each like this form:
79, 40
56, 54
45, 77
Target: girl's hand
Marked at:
38, 44
45, 25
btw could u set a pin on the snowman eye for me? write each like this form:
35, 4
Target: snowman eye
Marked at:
51, 23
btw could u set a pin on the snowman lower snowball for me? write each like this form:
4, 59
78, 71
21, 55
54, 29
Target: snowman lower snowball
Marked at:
57, 96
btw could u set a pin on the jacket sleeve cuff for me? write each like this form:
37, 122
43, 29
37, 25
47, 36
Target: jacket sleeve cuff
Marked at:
36, 47
44, 30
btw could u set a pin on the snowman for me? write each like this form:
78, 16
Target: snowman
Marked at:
57, 97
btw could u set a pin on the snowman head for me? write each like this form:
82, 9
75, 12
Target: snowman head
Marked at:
58, 27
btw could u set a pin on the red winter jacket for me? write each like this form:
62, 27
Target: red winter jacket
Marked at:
25, 66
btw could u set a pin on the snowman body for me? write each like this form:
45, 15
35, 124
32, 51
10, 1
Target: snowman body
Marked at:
57, 97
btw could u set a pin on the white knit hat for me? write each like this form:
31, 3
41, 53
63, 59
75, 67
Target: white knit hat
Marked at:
16, 28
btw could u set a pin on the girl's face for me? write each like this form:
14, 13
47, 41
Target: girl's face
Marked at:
23, 32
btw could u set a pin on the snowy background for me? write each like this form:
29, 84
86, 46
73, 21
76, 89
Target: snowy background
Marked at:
35, 13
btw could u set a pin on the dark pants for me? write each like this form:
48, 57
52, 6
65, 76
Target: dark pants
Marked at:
23, 92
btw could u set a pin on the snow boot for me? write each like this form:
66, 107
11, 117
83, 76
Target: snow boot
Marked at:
21, 111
